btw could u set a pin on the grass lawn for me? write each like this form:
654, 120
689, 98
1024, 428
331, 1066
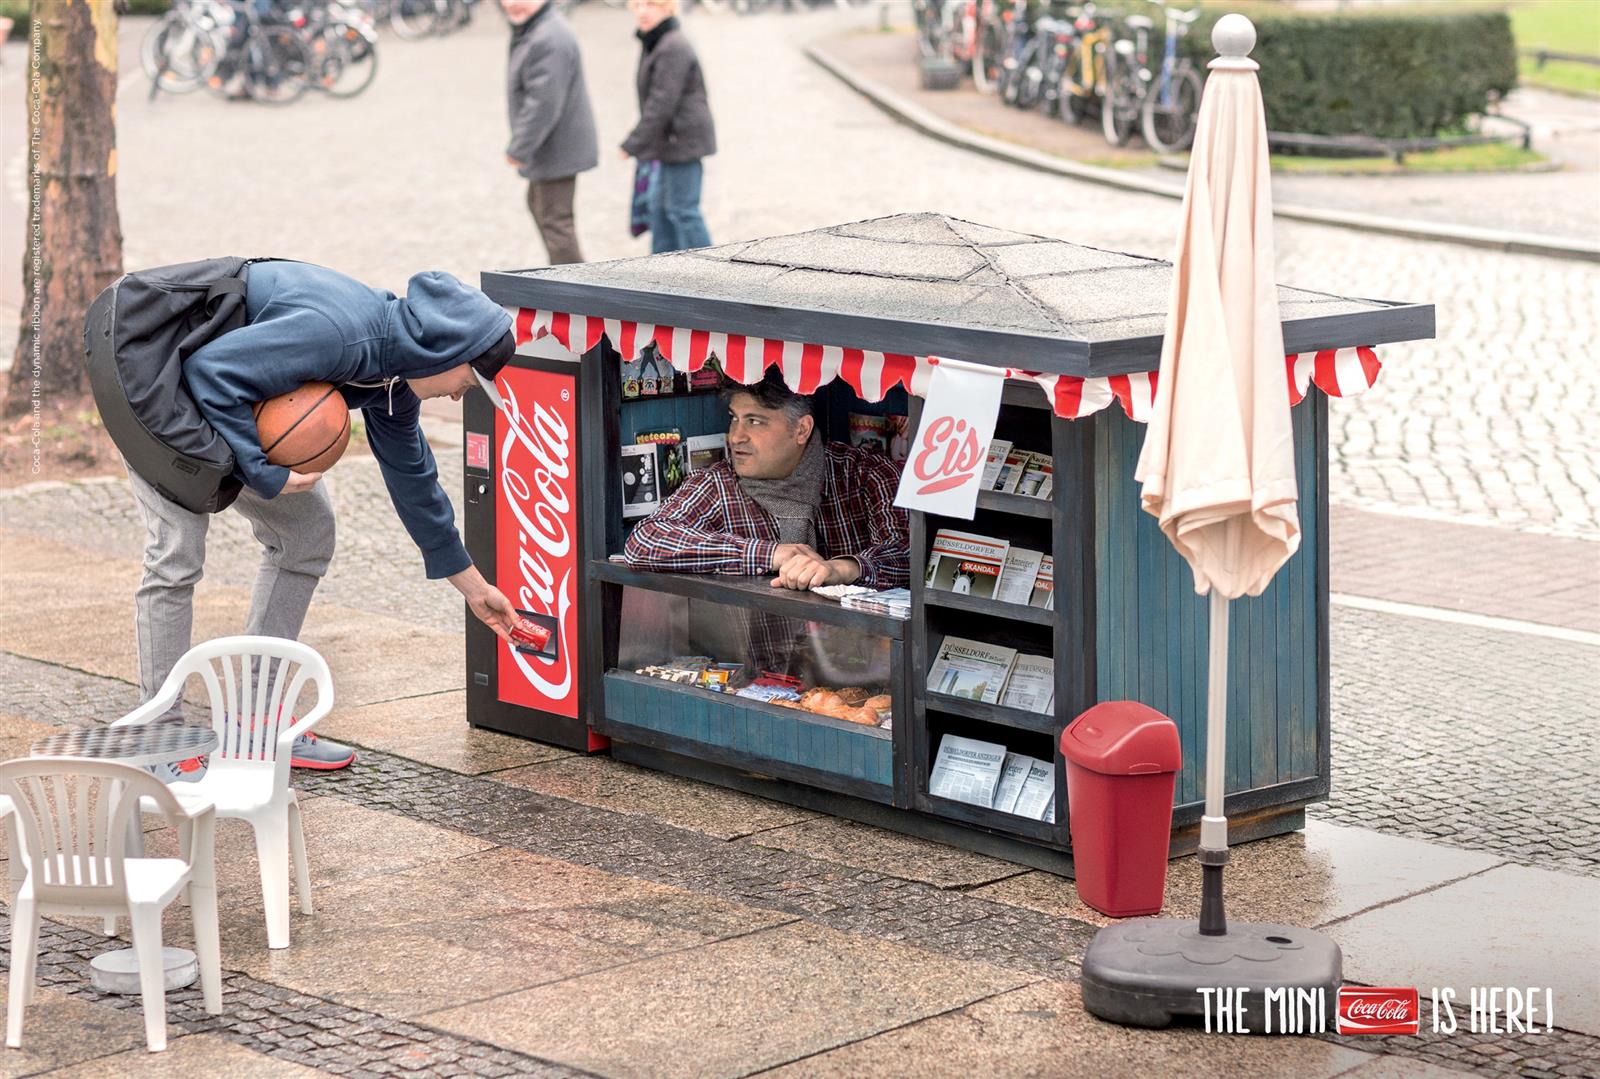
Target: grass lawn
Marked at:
1493, 157
1563, 25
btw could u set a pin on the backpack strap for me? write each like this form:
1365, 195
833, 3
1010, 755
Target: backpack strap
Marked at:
224, 287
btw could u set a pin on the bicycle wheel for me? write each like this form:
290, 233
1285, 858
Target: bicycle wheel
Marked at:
1119, 108
277, 66
1168, 125
412, 19
988, 59
453, 15
178, 56
933, 36
343, 60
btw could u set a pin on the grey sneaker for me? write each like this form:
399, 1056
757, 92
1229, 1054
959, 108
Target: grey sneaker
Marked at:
321, 754
183, 772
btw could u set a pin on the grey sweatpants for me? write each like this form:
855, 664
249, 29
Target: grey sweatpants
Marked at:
296, 535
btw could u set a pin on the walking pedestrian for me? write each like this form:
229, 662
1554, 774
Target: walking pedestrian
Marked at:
674, 126
552, 126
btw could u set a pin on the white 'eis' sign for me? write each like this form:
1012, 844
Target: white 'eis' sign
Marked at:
952, 442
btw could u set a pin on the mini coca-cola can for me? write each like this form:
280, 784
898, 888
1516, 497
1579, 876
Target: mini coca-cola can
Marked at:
530, 633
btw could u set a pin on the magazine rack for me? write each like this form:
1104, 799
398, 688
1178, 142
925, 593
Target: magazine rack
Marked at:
1126, 623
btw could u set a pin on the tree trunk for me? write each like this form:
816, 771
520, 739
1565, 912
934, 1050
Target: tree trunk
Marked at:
73, 245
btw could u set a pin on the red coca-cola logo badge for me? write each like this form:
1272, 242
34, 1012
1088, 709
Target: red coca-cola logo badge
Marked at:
949, 456
1378, 1011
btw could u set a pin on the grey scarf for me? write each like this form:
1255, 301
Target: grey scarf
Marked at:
793, 500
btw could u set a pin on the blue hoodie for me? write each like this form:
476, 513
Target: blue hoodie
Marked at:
306, 324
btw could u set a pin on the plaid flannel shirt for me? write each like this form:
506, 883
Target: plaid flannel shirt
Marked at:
709, 525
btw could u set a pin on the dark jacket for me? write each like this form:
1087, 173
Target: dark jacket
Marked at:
305, 324
674, 117
552, 125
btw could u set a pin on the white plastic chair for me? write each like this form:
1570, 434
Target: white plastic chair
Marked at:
75, 815
17, 858
254, 685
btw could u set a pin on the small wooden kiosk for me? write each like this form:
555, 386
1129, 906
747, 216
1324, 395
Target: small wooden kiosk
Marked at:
852, 314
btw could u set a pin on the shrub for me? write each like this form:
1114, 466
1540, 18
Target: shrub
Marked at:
17, 11
1409, 74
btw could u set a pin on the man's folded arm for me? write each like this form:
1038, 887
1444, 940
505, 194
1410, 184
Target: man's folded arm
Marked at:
688, 534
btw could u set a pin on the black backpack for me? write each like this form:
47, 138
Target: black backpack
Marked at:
137, 335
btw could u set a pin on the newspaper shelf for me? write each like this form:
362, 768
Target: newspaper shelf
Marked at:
1016, 612
1018, 718
1041, 831
1020, 505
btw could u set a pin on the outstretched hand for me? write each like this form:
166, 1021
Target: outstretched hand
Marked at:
493, 609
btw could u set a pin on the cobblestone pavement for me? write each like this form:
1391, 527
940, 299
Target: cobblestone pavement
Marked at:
1473, 737
292, 1026
1490, 423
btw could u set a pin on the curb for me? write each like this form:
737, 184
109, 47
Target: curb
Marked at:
920, 119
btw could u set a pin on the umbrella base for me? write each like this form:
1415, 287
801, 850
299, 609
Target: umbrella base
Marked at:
1146, 972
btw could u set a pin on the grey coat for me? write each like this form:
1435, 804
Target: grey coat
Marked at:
674, 117
552, 125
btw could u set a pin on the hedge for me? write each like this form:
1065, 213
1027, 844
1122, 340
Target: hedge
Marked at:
1391, 75
17, 11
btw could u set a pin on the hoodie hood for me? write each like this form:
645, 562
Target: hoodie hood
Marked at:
441, 323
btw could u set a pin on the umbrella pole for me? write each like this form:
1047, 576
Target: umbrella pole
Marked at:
1214, 824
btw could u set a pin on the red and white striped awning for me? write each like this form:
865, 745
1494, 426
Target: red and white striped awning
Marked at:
1343, 372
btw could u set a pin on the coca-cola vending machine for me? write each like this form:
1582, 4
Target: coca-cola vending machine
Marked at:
524, 530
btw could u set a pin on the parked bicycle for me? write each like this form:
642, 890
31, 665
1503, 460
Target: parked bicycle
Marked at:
1083, 83
1041, 66
998, 40
1172, 105
947, 29
412, 19
182, 50
266, 58
1127, 73
343, 43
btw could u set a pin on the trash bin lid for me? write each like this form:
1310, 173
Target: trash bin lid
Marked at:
1123, 738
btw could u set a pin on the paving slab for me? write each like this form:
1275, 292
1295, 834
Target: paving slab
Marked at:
1308, 878
344, 844
193, 1055
476, 927
733, 1007
17, 735
846, 842
1042, 1031
682, 803
433, 729
58, 1030
1509, 926
1496, 572
84, 619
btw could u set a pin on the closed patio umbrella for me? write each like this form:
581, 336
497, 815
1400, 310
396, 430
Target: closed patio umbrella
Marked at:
1217, 472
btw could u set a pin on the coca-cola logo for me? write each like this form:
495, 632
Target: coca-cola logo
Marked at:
535, 474
1378, 1011
949, 455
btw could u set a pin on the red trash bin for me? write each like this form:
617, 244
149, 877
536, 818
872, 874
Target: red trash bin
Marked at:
1122, 762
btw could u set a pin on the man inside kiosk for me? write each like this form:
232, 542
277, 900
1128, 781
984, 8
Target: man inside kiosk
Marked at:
784, 502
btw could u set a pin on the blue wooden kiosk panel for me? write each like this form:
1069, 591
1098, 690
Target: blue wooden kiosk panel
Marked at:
749, 729
1153, 630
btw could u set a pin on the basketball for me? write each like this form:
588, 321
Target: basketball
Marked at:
304, 430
